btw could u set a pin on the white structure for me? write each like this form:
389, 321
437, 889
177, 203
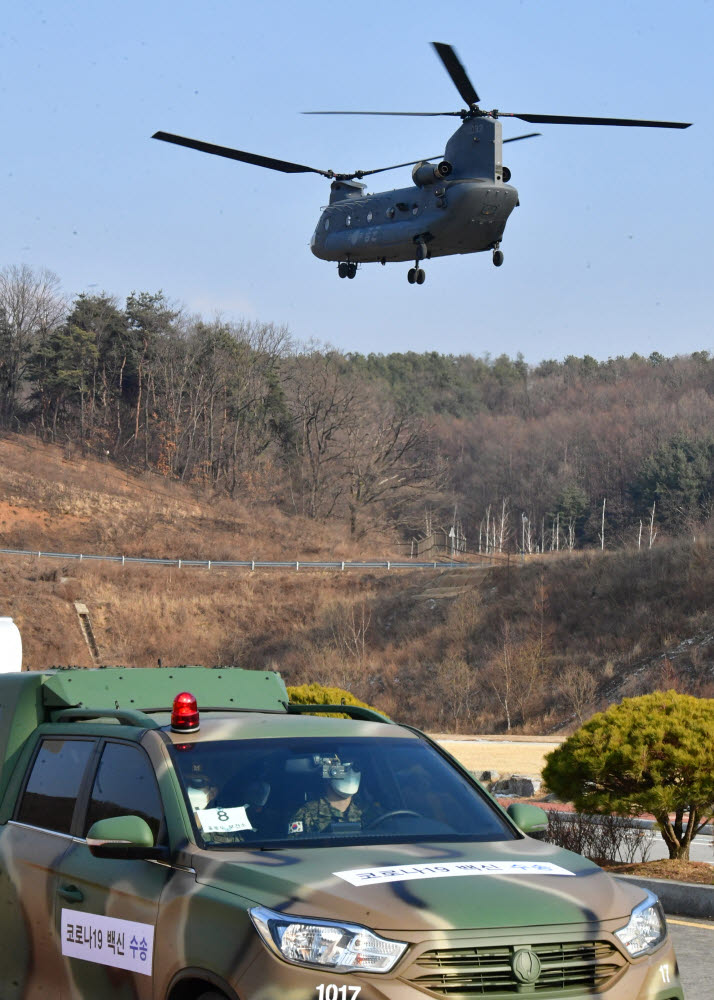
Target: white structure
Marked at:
10, 647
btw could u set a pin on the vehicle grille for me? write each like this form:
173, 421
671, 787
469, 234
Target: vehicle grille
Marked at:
473, 972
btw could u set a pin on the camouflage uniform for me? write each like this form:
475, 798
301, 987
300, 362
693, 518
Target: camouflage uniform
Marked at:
314, 817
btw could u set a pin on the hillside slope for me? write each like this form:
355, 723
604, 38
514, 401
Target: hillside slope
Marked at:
537, 645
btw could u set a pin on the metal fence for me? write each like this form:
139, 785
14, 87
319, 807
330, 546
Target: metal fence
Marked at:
254, 564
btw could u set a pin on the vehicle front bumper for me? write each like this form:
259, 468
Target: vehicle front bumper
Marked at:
652, 977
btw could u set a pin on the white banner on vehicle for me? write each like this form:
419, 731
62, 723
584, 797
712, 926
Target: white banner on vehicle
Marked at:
123, 944
224, 820
450, 869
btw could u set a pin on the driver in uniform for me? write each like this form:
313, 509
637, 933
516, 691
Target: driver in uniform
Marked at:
336, 806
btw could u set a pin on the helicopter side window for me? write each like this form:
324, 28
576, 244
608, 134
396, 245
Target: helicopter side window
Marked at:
390, 213
369, 216
348, 220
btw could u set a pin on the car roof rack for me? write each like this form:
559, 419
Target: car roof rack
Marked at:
143, 717
353, 711
125, 716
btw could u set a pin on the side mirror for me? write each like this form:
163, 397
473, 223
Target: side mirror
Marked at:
529, 819
124, 838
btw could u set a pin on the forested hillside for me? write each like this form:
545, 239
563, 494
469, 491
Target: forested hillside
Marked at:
559, 455
530, 644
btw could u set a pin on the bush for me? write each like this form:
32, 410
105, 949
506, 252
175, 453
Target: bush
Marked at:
318, 694
652, 754
600, 838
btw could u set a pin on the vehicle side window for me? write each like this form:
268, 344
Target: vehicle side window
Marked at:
125, 785
55, 780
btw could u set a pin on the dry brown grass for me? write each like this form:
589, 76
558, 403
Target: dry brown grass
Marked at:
421, 645
527, 758
699, 872
52, 503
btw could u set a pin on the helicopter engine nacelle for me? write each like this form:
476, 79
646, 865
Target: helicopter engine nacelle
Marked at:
429, 173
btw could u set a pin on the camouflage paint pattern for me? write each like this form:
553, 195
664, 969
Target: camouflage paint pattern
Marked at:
319, 814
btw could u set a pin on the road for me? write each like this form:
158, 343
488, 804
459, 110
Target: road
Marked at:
694, 944
701, 849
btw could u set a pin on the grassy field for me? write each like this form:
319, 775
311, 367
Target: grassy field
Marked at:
519, 755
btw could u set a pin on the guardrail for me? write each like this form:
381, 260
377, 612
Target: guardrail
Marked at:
251, 564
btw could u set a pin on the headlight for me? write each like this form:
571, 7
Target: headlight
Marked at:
646, 929
322, 943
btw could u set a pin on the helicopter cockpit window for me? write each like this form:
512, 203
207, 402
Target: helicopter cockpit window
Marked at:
327, 224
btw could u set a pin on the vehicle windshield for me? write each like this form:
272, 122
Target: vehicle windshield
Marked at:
318, 792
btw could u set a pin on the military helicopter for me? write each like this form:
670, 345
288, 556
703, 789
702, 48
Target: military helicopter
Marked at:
457, 205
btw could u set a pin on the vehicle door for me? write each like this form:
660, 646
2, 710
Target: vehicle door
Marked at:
107, 923
32, 846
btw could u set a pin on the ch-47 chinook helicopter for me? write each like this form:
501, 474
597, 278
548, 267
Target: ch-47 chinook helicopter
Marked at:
459, 204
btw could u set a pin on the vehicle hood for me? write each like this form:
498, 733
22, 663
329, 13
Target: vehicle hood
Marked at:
305, 881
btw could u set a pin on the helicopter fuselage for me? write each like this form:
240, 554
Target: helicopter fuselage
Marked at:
465, 210
463, 215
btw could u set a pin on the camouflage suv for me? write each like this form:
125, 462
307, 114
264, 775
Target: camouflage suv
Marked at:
178, 834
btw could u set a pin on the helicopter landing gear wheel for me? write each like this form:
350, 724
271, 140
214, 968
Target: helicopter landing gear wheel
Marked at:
497, 258
351, 269
342, 269
416, 275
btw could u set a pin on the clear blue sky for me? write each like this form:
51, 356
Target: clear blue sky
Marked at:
609, 253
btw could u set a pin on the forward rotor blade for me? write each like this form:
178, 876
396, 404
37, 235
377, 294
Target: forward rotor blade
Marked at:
457, 72
575, 120
517, 138
238, 154
380, 170
410, 114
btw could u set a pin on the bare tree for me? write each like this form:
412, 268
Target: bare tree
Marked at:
453, 685
653, 533
31, 307
577, 689
349, 626
518, 670
323, 403
385, 464
501, 675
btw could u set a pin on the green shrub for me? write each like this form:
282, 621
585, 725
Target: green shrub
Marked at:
318, 694
652, 754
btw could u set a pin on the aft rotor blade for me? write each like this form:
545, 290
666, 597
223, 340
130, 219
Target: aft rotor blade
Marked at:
238, 154
457, 72
575, 120
517, 138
